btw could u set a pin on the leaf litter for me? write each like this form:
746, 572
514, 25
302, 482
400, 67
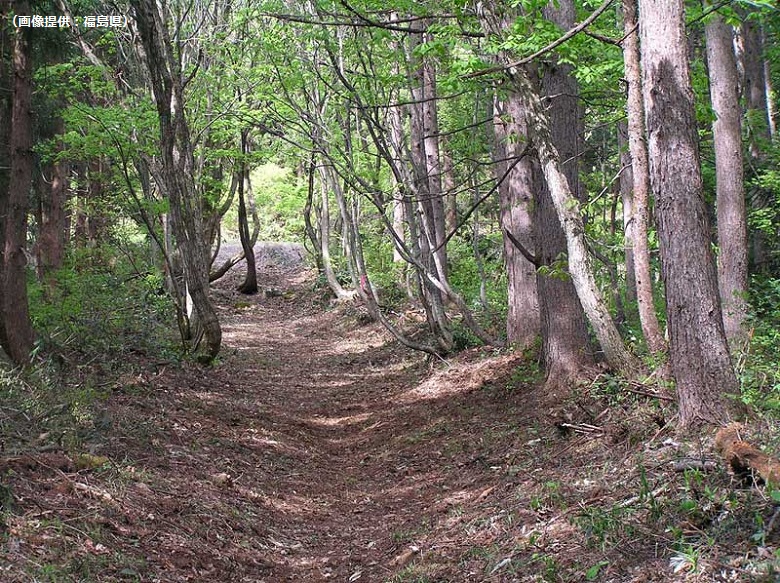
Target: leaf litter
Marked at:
320, 450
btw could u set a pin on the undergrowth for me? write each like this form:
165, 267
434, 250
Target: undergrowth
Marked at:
103, 303
101, 316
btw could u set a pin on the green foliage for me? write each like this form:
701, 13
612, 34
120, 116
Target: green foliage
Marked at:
605, 527
760, 368
100, 304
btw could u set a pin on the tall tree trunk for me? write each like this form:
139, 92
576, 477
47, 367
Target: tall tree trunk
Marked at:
771, 110
516, 198
727, 135
249, 285
699, 351
626, 185
176, 169
640, 170
579, 261
565, 346
327, 263
16, 332
425, 203
430, 118
450, 196
757, 124
50, 248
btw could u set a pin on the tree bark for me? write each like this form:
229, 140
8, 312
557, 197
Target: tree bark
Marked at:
730, 198
327, 263
430, 128
425, 202
635, 110
566, 350
757, 125
626, 185
699, 353
50, 248
249, 285
17, 333
568, 211
516, 198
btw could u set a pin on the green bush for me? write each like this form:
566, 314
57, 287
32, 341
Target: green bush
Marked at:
759, 366
101, 302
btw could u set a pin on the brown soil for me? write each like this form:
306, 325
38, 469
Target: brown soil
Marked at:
320, 450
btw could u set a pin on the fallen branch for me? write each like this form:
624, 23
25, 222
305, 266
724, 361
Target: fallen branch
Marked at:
745, 459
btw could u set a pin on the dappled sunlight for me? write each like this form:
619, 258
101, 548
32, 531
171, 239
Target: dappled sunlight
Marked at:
265, 443
460, 378
287, 503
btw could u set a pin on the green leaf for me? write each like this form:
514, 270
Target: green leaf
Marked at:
593, 572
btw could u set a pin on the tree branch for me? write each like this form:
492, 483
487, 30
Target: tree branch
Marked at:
553, 45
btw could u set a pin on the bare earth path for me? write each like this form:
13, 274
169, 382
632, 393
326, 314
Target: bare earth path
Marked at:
303, 451
316, 450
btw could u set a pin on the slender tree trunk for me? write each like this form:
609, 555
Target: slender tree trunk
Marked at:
635, 108
757, 125
450, 197
249, 286
430, 128
327, 262
699, 353
516, 199
50, 248
175, 172
771, 110
16, 332
626, 185
309, 210
727, 134
425, 202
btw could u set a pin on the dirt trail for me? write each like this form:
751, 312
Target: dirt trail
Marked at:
318, 449
313, 451
324, 417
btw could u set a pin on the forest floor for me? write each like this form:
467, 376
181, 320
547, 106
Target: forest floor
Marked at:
318, 449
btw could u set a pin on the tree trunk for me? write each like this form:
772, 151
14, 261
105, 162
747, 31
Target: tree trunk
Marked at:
327, 263
727, 135
757, 124
50, 248
450, 194
176, 169
635, 109
249, 286
430, 128
565, 346
16, 333
425, 201
568, 211
699, 353
516, 198
626, 185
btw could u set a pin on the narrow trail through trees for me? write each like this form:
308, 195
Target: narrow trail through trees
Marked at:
301, 456
317, 449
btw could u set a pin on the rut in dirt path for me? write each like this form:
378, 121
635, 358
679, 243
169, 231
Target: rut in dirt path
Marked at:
318, 394
335, 411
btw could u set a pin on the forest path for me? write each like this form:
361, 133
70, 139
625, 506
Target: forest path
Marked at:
315, 451
319, 449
